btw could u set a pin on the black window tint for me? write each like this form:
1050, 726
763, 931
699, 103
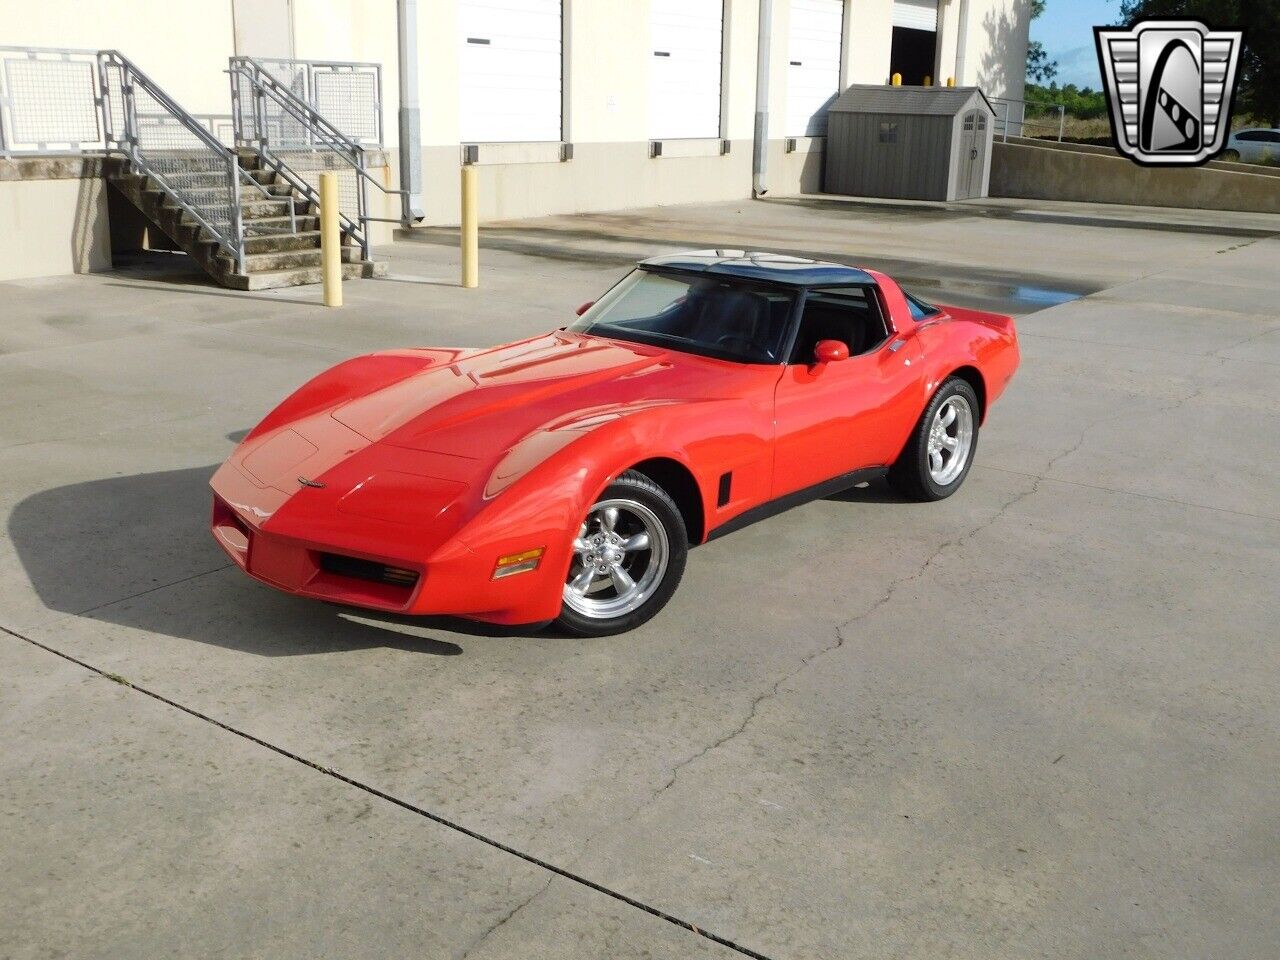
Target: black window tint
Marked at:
729, 319
1251, 136
850, 315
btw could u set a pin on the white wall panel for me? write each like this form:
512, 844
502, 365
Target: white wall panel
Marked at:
813, 64
684, 68
509, 70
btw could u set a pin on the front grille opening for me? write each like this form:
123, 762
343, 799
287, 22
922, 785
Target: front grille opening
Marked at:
369, 570
224, 516
236, 522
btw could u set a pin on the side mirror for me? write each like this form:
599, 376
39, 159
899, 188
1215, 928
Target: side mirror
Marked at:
829, 351
585, 307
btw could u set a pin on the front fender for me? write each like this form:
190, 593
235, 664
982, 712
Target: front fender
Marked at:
351, 378
538, 494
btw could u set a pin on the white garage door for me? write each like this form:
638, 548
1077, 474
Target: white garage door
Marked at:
916, 14
509, 70
684, 68
813, 71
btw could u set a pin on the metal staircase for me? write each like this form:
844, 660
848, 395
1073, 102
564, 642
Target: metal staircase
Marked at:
245, 215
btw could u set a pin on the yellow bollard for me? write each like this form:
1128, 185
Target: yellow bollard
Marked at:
951, 81
470, 231
330, 240
928, 81
896, 80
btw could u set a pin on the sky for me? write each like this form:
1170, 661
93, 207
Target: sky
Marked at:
1066, 30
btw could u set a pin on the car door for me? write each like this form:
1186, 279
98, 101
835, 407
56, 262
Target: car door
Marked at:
837, 417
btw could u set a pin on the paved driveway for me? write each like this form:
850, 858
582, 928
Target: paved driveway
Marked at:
1037, 719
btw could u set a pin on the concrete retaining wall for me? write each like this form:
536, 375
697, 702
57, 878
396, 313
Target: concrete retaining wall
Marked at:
53, 217
1036, 171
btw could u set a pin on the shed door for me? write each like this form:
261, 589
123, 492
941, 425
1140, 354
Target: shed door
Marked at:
813, 70
509, 70
684, 68
973, 158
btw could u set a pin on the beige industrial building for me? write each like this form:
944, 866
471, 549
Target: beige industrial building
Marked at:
562, 105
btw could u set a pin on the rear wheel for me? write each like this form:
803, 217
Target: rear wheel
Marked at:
628, 558
940, 452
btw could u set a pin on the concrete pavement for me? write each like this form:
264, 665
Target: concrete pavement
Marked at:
1035, 719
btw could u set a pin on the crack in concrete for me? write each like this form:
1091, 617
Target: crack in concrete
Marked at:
1218, 354
1133, 493
506, 918
892, 590
840, 639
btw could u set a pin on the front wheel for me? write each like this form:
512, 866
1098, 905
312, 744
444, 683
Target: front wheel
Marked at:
940, 452
628, 558
1231, 156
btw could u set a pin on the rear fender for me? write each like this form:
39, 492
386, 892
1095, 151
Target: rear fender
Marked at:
985, 342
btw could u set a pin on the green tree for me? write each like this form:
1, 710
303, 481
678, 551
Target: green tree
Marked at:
1040, 69
1259, 83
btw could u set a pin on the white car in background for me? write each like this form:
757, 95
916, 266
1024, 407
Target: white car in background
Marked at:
1258, 145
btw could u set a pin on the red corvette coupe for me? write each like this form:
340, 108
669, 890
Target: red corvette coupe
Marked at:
566, 476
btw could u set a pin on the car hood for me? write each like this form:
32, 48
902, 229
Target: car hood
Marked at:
483, 403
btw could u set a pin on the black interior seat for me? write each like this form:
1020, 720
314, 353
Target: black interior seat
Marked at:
852, 320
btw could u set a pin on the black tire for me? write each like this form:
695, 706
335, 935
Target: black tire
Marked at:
638, 489
911, 475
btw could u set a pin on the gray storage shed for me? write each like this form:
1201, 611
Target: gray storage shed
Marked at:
909, 143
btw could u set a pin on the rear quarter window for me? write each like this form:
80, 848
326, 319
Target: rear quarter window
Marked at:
919, 309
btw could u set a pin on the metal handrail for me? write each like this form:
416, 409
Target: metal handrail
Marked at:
231, 238
1005, 120
322, 137
310, 69
115, 75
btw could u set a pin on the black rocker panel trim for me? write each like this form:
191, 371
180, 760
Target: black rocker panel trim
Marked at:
782, 504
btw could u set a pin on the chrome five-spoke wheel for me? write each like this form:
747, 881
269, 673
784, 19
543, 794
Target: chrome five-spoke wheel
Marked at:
950, 440
940, 451
620, 557
628, 558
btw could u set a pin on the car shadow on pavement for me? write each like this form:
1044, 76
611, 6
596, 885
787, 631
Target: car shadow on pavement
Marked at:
876, 491
136, 551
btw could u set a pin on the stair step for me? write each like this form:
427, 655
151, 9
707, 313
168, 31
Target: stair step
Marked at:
253, 207
275, 242
215, 183
290, 259
274, 279
260, 209
279, 252
177, 162
274, 225
280, 242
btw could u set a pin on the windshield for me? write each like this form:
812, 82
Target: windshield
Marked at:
714, 316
